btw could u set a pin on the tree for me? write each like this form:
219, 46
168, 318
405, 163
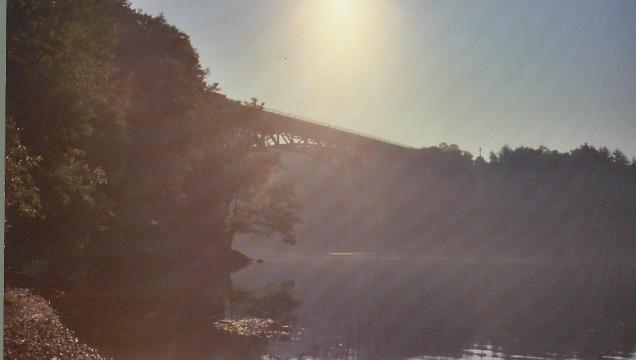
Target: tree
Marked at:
22, 196
118, 148
59, 92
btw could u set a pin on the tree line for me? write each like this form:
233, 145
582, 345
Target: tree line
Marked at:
521, 203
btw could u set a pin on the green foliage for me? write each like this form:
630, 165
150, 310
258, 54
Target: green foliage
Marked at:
118, 148
263, 207
253, 103
59, 89
22, 196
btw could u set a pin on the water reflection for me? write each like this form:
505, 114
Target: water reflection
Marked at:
266, 313
387, 309
173, 318
368, 308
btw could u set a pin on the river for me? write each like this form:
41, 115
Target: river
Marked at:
365, 306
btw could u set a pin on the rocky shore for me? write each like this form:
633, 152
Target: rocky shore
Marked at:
32, 330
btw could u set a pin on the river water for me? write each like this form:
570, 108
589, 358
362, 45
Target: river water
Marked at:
363, 306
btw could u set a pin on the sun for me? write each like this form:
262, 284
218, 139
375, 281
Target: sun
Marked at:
341, 7
341, 25
339, 44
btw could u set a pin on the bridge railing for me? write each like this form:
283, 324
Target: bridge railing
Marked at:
349, 131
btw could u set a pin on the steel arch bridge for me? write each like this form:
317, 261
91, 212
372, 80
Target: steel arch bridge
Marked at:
274, 129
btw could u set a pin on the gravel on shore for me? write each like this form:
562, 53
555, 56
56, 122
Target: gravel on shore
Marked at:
32, 330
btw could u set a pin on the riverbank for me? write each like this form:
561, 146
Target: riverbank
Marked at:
32, 330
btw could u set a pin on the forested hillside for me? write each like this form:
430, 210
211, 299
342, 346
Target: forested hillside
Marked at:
522, 203
120, 157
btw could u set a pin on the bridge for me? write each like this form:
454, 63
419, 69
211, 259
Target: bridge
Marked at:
272, 128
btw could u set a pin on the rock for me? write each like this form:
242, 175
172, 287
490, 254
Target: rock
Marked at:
32, 330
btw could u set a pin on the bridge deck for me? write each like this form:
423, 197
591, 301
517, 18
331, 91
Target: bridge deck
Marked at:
271, 122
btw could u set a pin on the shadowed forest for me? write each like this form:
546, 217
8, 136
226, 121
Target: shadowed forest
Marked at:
120, 157
123, 160
521, 204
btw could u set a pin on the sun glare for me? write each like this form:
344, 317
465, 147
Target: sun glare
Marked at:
343, 22
341, 8
341, 35
340, 47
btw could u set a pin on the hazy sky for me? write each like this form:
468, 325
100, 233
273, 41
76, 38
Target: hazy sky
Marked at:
486, 73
